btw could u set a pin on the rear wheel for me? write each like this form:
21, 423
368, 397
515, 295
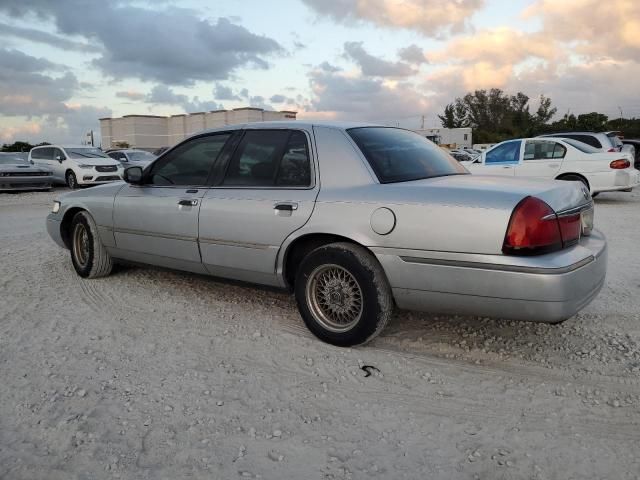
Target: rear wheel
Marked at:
72, 181
342, 294
89, 257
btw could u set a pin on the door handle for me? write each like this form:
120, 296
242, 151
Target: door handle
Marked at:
553, 165
286, 206
507, 166
188, 203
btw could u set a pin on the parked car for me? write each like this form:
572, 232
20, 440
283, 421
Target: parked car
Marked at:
560, 159
602, 141
77, 165
16, 173
353, 218
132, 157
636, 152
467, 155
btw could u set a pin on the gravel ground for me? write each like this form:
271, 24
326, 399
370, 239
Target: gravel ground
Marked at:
151, 374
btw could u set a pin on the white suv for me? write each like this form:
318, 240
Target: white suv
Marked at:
77, 165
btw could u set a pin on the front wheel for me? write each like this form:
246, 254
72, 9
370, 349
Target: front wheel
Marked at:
89, 257
72, 181
343, 295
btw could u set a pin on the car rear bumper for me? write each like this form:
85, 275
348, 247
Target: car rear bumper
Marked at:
614, 180
548, 288
25, 183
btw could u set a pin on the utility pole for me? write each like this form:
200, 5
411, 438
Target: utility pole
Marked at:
620, 108
422, 124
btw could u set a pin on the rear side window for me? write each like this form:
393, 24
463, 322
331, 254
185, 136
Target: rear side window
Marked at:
397, 155
508, 152
268, 158
543, 150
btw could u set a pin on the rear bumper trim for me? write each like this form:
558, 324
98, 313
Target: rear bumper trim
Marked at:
502, 268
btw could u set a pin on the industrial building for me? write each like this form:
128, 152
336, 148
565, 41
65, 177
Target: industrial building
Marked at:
451, 137
149, 132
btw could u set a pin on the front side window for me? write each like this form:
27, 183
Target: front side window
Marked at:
508, 152
398, 155
42, 153
543, 150
57, 154
118, 156
189, 163
268, 158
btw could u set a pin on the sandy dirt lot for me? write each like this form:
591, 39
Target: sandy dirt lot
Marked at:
150, 374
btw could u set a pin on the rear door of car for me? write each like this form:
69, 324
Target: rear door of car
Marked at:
157, 222
542, 158
266, 191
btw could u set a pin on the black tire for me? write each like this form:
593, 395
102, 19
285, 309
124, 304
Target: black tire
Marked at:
375, 304
72, 181
89, 257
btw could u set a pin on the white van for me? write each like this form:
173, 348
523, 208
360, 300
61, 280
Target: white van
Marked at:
77, 165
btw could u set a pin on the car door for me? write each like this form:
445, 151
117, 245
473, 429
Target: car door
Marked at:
157, 222
59, 164
44, 157
500, 160
266, 191
542, 159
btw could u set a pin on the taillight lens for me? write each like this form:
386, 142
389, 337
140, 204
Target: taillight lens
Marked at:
533, 229
570, 228
620, 164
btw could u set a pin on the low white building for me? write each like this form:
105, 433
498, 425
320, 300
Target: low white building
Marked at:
149, 132
452, 137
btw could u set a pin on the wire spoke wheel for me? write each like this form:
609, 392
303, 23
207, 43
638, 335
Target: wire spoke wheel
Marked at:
81, 244
334, 298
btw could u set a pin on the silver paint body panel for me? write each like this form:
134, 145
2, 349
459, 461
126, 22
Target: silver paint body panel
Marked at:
443, 254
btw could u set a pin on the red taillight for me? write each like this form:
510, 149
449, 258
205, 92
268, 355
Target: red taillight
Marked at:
533, 229
620, 164
570, 228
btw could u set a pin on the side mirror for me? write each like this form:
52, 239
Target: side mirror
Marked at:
133, 175
60, 158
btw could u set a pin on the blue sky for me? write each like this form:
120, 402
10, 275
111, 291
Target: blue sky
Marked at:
69, 62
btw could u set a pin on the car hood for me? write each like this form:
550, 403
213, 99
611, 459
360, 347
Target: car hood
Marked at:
501, 192
96, 161
20, 167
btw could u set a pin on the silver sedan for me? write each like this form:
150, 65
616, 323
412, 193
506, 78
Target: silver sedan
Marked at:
353, 218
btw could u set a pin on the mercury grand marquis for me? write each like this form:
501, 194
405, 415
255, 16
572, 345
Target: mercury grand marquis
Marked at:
354, 219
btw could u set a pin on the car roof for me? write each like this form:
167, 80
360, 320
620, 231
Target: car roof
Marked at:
294, 124
64, 146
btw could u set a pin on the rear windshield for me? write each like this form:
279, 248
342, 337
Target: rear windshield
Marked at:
583, 147
86, 153
398, 155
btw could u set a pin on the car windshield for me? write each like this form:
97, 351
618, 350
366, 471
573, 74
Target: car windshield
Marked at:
398, 155
583, 147
86, 153
12, 160
141, 156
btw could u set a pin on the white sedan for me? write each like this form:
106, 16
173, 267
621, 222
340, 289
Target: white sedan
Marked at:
561, 159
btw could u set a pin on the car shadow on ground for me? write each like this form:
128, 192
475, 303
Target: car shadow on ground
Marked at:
576, 343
